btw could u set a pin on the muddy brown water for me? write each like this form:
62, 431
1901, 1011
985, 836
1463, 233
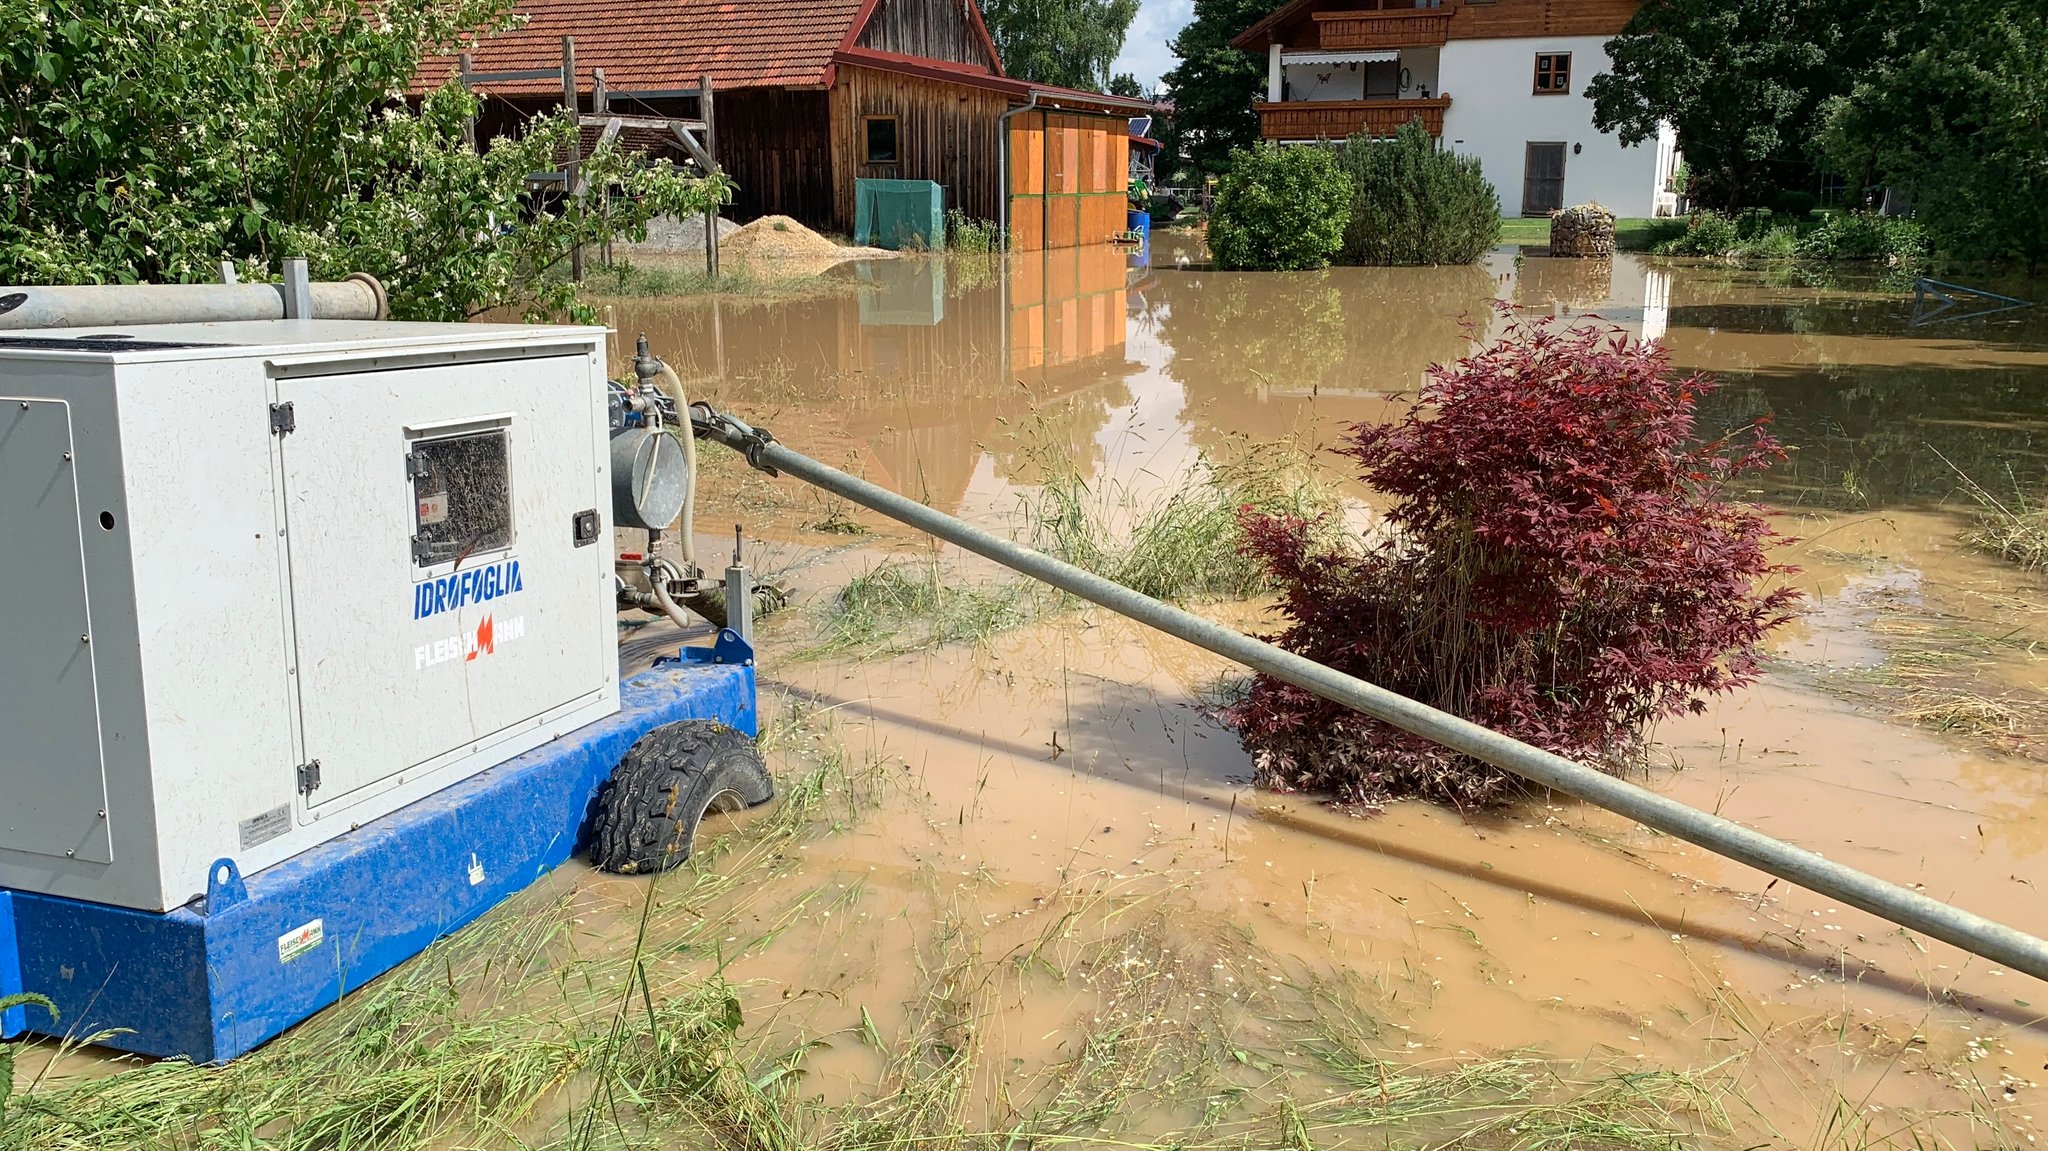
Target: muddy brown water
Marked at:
1551, 928
1077, 750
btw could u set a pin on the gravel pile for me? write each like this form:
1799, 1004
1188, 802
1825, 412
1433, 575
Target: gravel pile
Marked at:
669, 234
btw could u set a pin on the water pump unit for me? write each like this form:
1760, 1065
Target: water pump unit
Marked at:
310, 655
268, 581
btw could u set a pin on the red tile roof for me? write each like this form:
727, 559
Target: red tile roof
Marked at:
660, 44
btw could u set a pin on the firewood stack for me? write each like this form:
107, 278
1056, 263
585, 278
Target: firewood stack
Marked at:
1585, 231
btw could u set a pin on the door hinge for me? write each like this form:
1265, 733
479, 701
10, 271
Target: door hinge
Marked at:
282, 420
422, 552
416, 468
309, 777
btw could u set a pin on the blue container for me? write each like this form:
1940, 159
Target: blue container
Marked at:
1141, 223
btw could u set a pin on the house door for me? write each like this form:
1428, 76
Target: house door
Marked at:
1543, 179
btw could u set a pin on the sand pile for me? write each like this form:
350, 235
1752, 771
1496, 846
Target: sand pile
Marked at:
781, 245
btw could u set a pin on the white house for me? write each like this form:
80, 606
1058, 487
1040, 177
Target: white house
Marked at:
1501, 80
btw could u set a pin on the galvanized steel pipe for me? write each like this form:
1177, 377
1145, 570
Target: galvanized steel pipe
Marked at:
1973, 933
360, 297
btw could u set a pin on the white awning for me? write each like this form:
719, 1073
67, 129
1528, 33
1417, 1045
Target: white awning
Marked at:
1355, 56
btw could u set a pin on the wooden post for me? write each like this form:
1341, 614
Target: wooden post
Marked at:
569, 169
704, 110
463, 69
600, 100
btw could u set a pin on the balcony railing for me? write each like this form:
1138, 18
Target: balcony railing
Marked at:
1413, 28
1339, 119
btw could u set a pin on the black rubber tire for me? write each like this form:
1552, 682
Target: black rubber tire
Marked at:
647, 813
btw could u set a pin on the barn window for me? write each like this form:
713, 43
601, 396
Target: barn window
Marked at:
878, 143
1553, 73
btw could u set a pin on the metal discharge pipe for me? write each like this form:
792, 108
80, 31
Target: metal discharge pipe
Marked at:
360, 297
1910, 909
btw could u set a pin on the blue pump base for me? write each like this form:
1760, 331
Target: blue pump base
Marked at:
221, 975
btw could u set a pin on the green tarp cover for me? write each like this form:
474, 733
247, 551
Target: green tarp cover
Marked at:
899, 213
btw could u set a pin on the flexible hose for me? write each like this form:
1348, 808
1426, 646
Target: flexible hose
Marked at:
672, 385
669, 607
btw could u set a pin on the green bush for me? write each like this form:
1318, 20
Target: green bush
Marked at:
1864, 236
1798, 205
964, 233
1780, 243
1752, 223
1414, 202
1279, 209
1707, 233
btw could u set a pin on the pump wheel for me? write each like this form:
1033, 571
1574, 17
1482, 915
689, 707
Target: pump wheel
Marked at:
647, 813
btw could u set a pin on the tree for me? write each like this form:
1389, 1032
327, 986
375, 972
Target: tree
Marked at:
1562, 559
1279, 209
1413, 201
1741, 80
1069, 43
1214, 84
1125, 84
1960, 120
151, 139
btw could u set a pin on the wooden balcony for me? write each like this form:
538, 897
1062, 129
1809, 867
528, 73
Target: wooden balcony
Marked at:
1396, 28
1340, 119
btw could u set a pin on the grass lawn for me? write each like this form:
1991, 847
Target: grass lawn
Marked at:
1630, 235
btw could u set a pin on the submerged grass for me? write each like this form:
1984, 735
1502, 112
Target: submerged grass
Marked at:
686, 276
1947, 673
915, 605
1180, 546
1183, 544
2014, 529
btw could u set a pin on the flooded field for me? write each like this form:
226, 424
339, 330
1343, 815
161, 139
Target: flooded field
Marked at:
1019, 890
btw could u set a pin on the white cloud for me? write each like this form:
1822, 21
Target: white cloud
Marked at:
1147, 53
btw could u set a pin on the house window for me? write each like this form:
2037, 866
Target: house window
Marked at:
1553, 73
878, 140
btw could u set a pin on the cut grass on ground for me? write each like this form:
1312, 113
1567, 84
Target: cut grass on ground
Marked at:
1941, 671
1173, 1030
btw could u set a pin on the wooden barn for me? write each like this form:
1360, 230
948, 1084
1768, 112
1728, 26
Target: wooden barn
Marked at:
811, 95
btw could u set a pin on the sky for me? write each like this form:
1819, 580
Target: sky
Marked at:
1146, 54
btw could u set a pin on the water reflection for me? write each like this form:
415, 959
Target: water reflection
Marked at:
1135, 365
1876, 410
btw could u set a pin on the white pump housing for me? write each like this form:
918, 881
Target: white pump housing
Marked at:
264, 581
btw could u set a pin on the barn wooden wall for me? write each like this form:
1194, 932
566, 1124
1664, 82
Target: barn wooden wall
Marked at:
1068, 179
777, 147
937, 29
946, 133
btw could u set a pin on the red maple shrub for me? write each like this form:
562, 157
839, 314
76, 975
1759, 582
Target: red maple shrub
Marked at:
1561, 562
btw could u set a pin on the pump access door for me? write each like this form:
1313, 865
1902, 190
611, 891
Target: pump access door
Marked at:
443, 601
